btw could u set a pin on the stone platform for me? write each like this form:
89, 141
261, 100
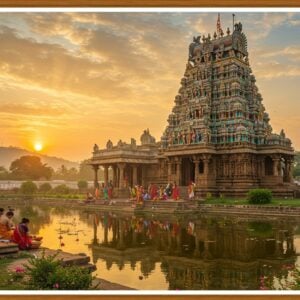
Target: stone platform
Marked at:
8, 247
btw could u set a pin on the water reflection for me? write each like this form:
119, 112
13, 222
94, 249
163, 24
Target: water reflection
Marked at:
170, 252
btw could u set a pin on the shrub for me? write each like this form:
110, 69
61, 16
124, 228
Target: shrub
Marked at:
259, 196
46, 273
61, 189
82, 184
45, 187
28, 188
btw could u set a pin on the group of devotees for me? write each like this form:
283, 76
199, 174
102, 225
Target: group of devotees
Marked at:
140, 194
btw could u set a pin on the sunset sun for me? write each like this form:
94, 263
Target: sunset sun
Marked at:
38, 147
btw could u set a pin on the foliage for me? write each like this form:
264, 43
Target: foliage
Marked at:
259, 196
28, 188
63, 173
30, 167
45, 187
82, 184
86, 172
61, 189
46, 273
3, 173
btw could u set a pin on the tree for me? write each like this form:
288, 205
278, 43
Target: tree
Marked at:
28, 188
86, 171
65, 174
61, 189
82, 184
45, 187
30, 167
3, 173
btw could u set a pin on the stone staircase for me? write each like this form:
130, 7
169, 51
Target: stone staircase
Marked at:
167, 206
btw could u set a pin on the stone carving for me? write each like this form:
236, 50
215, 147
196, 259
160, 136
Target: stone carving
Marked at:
109, 144
96, 148
147, 138
133, 143
120, 144
196, 42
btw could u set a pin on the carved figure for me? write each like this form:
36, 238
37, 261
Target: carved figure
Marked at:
196, 42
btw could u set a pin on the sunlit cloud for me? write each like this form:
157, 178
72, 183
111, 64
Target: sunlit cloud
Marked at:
79, 78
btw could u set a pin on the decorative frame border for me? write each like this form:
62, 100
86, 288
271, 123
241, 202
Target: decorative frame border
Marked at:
89, 4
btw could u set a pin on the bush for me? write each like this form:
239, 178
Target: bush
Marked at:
259, 196
28, 188
45, 187
82, 184
61, 189
46, 273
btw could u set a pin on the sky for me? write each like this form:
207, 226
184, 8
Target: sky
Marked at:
70, 80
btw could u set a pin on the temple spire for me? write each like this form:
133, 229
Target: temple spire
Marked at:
219, 29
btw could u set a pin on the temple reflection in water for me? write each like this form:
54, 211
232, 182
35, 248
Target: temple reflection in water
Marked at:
196, 253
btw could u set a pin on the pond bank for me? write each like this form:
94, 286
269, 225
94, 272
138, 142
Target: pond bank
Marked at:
12, 262
164, 207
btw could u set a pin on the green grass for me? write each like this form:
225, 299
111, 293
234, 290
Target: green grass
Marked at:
274, 202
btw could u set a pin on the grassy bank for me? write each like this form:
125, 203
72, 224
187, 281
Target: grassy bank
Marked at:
274, 202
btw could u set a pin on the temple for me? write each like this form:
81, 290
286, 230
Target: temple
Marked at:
218, 133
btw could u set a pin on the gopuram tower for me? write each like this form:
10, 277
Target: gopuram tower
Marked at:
218, 133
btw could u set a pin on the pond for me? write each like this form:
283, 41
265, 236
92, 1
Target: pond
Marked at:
149, 252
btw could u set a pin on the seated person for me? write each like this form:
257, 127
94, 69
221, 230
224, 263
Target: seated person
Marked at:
146, 196
23, 239
6, 225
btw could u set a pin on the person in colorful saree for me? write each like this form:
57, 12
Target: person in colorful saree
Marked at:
175, 192
22, 238
191, 192
6, 225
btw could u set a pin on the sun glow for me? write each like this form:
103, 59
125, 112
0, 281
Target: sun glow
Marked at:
38, 146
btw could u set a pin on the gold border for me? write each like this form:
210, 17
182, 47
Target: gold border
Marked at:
152, 3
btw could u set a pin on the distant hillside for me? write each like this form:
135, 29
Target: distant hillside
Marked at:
9, 154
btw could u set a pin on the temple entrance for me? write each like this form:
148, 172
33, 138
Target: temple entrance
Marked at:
268, 166
187, 171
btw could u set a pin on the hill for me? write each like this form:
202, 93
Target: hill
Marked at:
9, 154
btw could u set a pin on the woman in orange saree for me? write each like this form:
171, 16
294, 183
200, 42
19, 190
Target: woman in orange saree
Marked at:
6, 225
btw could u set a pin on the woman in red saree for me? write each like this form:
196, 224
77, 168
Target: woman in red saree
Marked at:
22, 238
175, 192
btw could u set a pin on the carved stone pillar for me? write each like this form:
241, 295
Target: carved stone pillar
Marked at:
196, 162
169, 170
289, 170
275, 166
96, 183
206, 166
105, 174
121, 177
134, 175
114, 168
178, 172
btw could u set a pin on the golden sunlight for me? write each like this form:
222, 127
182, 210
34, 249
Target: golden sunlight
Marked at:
38, 146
